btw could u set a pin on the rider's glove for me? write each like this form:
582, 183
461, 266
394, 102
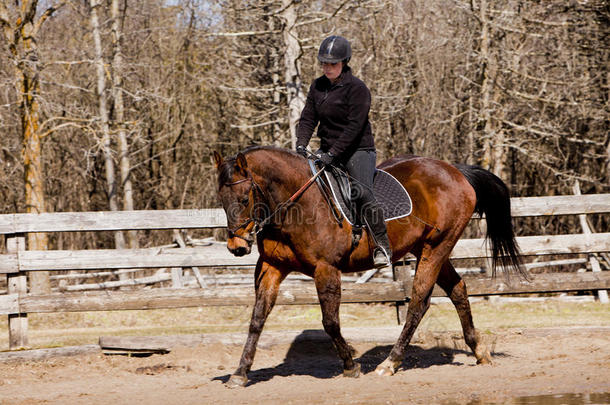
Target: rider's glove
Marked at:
327, 158
302, 151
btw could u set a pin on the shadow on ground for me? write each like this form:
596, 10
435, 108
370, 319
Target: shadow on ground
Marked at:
312, 353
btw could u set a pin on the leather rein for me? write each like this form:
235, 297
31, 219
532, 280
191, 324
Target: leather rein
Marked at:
260, 224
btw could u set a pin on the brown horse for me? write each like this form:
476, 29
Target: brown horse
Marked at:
303, 236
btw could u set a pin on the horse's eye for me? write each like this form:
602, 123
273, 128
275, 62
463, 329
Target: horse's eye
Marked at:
245, 200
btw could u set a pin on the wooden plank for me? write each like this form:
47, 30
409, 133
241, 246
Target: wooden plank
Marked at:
45, 354
216, 218
139, 344
129, 258
9, 304
9, 263
560, 205
157, 278
539, 245
173, 298
112, 220
296, 295
217, 255
199, 277
540, 283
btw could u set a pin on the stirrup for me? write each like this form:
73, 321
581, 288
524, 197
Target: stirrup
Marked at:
381, 258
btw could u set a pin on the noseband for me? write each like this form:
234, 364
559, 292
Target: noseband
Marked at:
253, 187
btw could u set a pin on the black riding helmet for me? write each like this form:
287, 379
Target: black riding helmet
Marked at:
335, 49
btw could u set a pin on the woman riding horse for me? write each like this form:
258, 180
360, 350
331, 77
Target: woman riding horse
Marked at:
258, 188
338, 104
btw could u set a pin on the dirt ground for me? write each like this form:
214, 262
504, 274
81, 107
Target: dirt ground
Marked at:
437, 369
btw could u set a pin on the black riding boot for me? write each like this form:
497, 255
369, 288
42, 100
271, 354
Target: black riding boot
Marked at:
382, 255
361, 168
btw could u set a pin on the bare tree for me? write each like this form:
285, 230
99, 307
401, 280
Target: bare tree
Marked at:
118, 17
106, 138
520, 87
295, 98
21, 25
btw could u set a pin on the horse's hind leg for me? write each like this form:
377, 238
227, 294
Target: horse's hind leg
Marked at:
451, 282
328, 284
267, 282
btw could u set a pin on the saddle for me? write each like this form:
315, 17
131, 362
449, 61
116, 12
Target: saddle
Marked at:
391, 196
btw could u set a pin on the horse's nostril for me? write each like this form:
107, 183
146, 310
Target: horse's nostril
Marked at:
240, 251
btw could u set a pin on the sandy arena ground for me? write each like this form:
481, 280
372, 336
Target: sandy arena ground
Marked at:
437, 369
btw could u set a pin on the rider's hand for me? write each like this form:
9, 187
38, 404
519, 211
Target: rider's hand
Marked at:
301, 150
327, 158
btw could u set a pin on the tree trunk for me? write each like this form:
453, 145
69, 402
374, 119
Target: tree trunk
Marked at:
106, 143
21, 37
494, 137
295, 96
486, 88
119, 110
608, 140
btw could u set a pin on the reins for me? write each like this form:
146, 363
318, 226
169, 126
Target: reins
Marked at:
289, 201
259, 225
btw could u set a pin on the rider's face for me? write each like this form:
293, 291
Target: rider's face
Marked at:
332, 70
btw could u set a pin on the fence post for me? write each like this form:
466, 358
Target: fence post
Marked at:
17, 284
402, 274
602, 295
177, 280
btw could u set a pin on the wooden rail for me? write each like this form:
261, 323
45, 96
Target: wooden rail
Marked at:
217, 255
17, 261
215, 217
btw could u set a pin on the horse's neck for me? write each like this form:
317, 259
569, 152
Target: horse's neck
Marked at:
278, 176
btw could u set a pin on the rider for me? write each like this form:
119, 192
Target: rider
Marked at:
339, 102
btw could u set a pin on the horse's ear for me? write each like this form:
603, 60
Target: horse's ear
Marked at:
241, 163
217, 159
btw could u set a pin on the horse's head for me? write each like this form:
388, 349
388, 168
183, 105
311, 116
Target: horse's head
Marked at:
236, 189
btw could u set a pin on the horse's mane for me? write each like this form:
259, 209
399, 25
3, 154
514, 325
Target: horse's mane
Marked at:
227, 168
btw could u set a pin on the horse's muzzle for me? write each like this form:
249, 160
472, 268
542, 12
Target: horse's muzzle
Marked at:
241, 251
240, 246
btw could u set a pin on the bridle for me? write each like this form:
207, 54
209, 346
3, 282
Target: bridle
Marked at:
260, 224
253, 187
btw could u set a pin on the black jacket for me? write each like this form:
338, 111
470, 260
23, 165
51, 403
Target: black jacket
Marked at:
342, 112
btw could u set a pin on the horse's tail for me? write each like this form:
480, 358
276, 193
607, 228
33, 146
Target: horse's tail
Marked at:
493, 200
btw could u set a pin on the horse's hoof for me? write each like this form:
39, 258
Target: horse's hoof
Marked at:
387, 368
483, 356
485, 359
236, 381
384, 371
354, 372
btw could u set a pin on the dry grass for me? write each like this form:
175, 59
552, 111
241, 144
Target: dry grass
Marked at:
63, 329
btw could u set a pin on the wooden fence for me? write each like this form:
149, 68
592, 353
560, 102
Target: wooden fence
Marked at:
17, 261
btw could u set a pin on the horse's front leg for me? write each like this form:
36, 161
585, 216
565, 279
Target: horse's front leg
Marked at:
267, 283
328, 284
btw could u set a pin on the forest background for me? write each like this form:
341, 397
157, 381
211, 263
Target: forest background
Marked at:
118, 104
